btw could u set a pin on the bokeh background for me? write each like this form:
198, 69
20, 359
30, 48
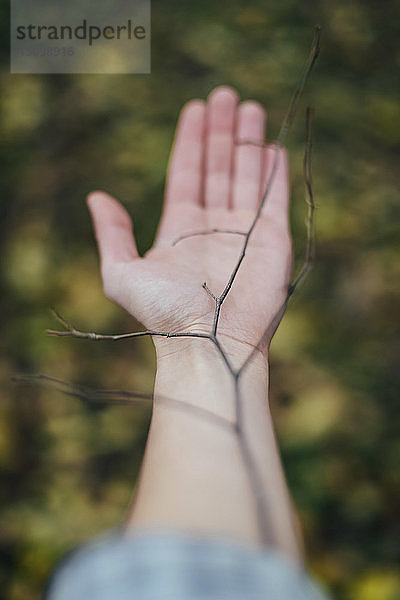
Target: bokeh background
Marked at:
68, 469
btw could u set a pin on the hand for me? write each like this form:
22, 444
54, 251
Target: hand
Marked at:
212, 183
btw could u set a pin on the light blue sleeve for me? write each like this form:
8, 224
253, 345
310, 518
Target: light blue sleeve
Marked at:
168, 565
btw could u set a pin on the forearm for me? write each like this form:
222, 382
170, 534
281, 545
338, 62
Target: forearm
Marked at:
200, 473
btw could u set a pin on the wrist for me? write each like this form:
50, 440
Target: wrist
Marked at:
192, 370
171, 350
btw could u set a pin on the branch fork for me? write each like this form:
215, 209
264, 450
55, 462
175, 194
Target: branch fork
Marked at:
71, 331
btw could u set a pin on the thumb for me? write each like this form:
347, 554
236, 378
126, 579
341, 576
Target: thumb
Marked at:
113, 228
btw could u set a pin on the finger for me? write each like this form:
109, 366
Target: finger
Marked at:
250, 127
113, 229
185, 168
221, 109
276, 205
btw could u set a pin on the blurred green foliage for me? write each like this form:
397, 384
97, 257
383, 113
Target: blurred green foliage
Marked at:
67, 469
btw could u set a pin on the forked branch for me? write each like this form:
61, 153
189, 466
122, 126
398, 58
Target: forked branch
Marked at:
255, 478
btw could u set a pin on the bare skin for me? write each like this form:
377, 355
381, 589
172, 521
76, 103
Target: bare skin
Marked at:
193, 478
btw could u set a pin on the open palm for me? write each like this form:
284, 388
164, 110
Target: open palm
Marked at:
213, 183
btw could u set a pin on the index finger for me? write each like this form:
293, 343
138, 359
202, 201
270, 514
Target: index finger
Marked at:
185, 166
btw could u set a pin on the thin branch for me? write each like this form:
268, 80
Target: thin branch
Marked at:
254, 476
312, 57
290, 114
91, 335
209, 292
251, 143
208, 232
71, 331
310, 223
310, 246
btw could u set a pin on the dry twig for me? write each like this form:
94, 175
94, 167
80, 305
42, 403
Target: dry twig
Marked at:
128, 397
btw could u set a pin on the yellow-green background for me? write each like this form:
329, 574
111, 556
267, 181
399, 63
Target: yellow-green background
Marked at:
67, 470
